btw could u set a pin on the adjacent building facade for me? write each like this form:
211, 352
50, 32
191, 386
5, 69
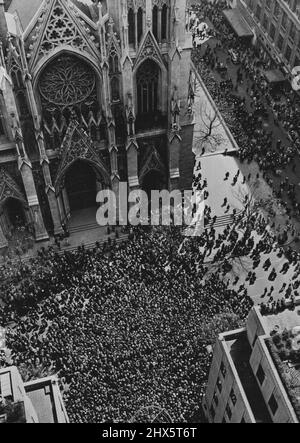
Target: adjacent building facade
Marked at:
91, 94
252, 380
276, 28
38, 401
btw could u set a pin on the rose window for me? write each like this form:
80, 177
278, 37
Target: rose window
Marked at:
67, 82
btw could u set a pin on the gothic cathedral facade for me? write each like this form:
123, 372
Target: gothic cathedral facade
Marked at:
91, 94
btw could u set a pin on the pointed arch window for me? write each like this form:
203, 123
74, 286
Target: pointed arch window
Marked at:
131, 27
115, 89
17, 79
164, 22
147, 87
113, 62
155, 21
140, 24
114, 72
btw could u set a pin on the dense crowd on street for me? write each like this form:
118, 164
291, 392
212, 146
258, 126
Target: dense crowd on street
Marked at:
124, 326
254, 138
129, 326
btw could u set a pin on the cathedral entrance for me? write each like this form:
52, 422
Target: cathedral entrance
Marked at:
153, 181
14, 213
80, 183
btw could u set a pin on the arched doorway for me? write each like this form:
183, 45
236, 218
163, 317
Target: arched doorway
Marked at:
14, 213
81, 186
154, 180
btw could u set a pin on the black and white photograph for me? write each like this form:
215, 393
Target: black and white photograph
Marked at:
149, 214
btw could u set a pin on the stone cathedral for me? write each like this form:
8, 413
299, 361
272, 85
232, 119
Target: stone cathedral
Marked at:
91, 93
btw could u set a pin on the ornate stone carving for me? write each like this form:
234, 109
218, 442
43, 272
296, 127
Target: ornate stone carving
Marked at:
149, 49
9, 188
77, 145
152, 162
160, 3
61, 31
60, 25
68, 82
136, 4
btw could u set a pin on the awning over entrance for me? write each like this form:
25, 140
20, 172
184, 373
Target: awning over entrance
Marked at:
238, 23
274, 76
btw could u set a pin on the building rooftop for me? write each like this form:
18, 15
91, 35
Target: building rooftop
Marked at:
240, 352
287, 319
44, 395
37, 401
282, 337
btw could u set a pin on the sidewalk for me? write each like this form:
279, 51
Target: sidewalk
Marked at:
213, 169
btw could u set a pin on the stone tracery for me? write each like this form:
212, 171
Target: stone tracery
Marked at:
61, 31
67, 82
68, 90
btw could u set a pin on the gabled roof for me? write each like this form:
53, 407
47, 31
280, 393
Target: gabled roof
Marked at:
26, 9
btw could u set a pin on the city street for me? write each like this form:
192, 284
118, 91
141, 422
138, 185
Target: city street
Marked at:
243, 90
215, 165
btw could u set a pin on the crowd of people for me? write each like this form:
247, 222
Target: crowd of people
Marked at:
124, 326
127, 326
247, 114
251, 235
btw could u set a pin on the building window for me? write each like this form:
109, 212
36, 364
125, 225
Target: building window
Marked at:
233, 397
113, 62
114, 74
260, 374
228, 411
273, 404
219, 384
155, 22
115, 90
131, 27
164, 22
147, 86
140, 26
223, 370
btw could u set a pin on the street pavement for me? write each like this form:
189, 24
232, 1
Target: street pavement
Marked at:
278, 132
214, 166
